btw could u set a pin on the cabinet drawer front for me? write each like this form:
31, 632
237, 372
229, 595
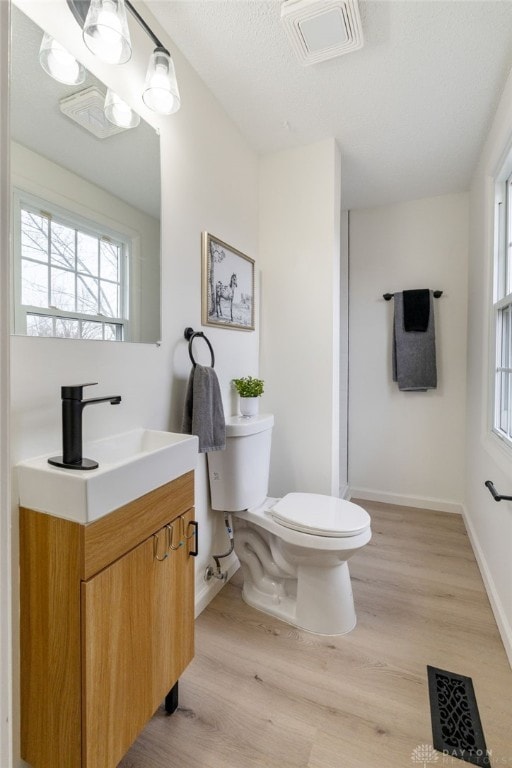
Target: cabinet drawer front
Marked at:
107, 539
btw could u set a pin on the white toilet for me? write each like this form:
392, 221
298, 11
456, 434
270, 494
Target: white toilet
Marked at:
293, 550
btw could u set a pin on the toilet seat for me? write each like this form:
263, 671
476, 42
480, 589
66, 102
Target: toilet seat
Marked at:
320, 515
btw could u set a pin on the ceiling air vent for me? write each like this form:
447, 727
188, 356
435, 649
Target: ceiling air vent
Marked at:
87, 109
322, 29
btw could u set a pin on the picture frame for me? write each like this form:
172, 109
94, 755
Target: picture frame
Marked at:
227, 278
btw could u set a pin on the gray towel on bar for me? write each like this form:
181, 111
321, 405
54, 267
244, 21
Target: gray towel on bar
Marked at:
414, 352
203, 414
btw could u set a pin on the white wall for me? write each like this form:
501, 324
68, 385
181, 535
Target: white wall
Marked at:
489, 524
407, 447
344, 354
300, 329
209, 182
6, 682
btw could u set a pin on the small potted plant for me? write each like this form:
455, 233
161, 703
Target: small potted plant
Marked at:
249, 390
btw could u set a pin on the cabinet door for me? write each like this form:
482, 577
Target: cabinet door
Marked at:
173, 587
137, 617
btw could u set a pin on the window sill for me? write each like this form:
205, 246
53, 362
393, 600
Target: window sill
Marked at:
498, 450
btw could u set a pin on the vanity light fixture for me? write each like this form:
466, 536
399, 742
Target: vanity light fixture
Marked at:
104, 25
161, 88
118, 111
59, 63
106, 33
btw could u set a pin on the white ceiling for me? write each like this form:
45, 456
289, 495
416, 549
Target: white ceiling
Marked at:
410, 110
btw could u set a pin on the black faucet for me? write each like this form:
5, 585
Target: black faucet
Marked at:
72, 407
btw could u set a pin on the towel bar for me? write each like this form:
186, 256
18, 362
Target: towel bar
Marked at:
389, 296
190, 335
494, 493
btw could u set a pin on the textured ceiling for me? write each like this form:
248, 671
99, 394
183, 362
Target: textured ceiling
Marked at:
410, 110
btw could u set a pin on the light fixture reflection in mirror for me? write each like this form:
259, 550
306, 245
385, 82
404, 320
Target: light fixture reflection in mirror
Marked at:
118, 111
86, 207
59, 63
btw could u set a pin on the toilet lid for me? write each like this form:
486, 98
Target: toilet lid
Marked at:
320, 515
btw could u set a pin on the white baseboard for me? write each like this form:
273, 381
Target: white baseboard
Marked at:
504, 627
422, 502
208, 589
344, 492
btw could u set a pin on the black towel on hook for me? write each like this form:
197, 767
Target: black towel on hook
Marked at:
416, 310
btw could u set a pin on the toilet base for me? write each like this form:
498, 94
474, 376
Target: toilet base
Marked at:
321, 614
317, 598
325, 603
330, 623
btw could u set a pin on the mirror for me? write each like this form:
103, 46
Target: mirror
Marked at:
86, 210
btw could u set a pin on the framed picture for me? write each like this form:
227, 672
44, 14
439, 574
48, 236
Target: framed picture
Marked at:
227, 286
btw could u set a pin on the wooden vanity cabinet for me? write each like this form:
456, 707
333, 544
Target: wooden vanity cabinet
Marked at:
107, 625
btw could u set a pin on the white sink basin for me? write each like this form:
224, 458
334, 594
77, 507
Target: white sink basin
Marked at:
130, 465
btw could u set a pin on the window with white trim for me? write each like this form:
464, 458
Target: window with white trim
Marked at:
71, 277
502, 311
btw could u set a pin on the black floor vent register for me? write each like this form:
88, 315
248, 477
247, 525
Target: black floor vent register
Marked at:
456, 726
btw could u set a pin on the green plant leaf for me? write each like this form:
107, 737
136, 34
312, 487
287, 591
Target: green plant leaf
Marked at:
249, 387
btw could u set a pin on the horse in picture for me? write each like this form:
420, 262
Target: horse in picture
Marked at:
225, 293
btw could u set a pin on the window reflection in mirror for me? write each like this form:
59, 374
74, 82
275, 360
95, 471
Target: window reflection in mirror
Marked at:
85, 208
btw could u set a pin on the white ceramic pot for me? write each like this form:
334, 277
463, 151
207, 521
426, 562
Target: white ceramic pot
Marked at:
249, 406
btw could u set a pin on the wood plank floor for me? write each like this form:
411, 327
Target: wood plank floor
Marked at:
260, 693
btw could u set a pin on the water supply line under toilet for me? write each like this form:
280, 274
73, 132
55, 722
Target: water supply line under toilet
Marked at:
217, 572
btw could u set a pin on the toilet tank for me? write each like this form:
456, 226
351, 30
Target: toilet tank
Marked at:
239, 475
